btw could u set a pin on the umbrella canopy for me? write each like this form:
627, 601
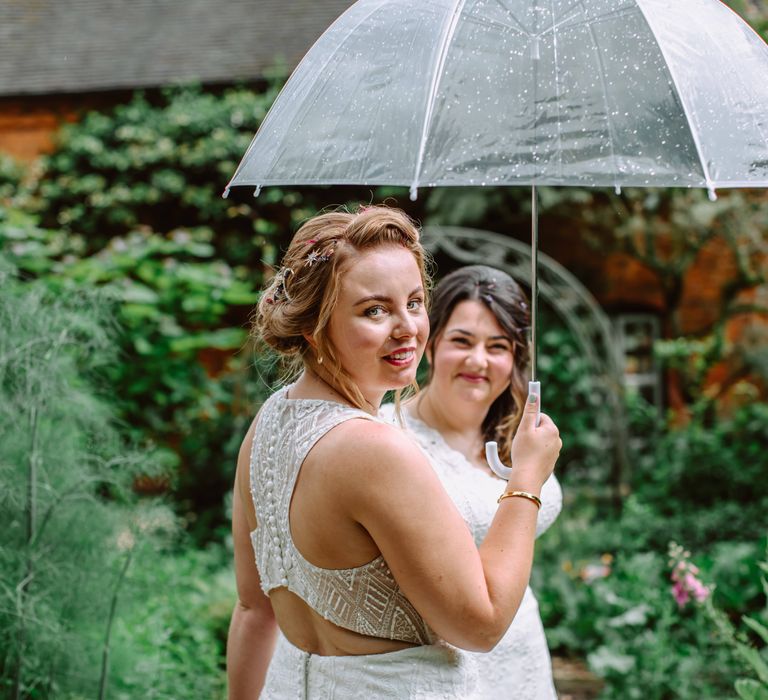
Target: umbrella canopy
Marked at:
522, 92
515, 92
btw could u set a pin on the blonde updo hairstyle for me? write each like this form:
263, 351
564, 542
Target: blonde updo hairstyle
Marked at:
298, 302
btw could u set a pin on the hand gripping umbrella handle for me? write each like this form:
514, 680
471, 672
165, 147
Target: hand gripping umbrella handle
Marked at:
492, 448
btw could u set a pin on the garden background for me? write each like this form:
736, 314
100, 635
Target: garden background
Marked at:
127, 381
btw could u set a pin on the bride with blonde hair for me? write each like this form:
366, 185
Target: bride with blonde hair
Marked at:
344, 537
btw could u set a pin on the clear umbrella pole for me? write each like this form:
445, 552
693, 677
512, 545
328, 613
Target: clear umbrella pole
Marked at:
534, 386
534, 277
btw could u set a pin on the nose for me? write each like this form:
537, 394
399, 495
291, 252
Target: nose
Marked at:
405, 326
477, 357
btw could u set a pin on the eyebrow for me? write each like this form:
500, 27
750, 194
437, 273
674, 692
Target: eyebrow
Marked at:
472, 335
384, 299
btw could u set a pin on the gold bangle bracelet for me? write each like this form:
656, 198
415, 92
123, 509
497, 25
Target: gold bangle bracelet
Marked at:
520, 494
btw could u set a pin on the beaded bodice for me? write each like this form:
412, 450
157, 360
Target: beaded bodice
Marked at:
365, 599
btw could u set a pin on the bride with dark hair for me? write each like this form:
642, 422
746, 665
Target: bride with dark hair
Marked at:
476, 392
344, 537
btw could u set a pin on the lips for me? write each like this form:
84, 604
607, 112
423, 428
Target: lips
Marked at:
473, 378
401, 357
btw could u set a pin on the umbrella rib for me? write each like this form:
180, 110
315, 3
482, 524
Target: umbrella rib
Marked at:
689, 118
598, 17
520, 25
557, 90
740, 80
603, 82
447, 38
496, 23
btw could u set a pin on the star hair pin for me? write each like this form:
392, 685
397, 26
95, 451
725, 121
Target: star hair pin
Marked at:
315, 257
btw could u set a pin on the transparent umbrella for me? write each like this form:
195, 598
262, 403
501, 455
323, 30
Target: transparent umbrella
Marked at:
594, 93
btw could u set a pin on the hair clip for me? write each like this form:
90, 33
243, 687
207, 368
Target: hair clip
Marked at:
280, 291
314, 256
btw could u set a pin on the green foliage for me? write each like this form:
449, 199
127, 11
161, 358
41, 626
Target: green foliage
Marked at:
601, 579
178, 308
575, 402
753, 658
650, 649
75, 539
170, 637
10, 177
163, 161
700, 483
603, 598
66, 475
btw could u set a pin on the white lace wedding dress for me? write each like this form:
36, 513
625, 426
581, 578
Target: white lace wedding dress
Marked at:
365, 599
519, 667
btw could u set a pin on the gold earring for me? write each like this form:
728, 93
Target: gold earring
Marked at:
319, 359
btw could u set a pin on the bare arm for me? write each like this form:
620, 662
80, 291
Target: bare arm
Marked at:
468, 597
253, 630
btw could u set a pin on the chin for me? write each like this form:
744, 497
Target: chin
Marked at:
479, 394
403, 380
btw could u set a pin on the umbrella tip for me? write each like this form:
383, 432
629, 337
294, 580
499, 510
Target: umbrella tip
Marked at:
414, 193
225, 194
257, 191
617, 189
712, 194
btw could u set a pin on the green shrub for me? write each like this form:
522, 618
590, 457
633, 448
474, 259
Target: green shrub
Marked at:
184, 379
66, 473
699, 483
10, 177
754, 658
604, 600
162, 161
170, 638
574, 401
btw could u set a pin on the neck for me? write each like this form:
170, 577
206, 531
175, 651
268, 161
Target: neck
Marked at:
317, 383
459, 419
461, 427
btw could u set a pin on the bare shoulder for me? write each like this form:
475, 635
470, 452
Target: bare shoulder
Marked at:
372, 439
371, 452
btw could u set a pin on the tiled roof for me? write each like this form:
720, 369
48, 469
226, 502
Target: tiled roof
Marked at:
53, 46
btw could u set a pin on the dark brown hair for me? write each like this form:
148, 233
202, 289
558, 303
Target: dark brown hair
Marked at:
299, 300
504, 298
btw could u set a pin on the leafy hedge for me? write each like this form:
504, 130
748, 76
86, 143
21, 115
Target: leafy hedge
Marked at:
182, 378
68, 517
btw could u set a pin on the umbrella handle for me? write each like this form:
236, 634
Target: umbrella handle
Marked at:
535, 389
492, 448
496, 465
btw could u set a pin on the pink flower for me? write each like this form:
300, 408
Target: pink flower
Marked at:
686, 585
696, 587
680, 594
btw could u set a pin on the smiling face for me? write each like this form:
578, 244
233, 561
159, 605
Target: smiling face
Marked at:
379, 326
472, 359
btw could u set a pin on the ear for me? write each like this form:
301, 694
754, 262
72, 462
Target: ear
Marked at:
311, 340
